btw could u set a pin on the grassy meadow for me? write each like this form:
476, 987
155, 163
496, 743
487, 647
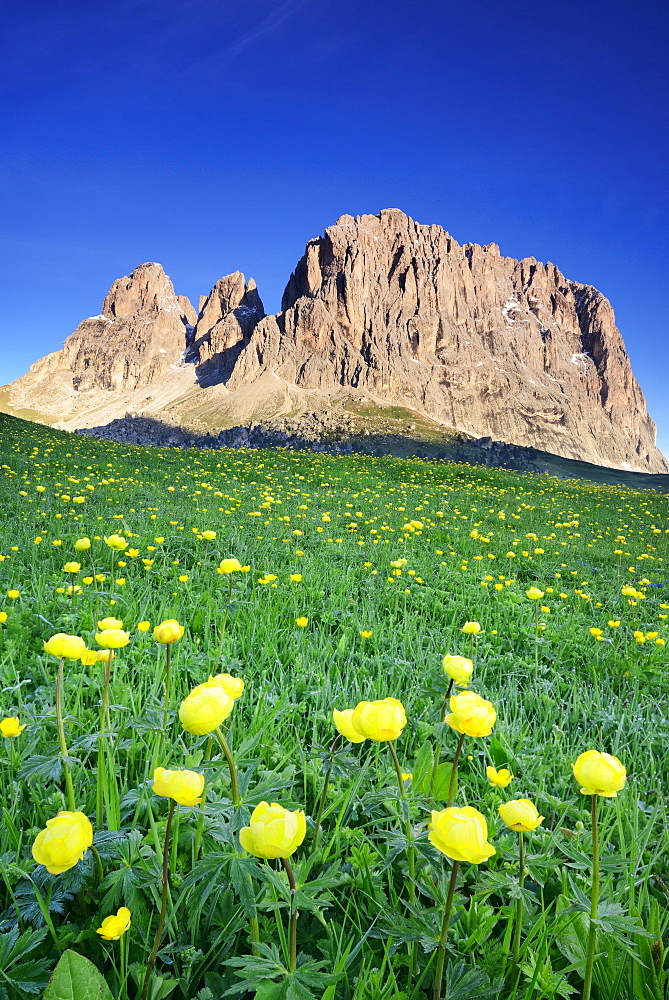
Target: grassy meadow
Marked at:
357, 575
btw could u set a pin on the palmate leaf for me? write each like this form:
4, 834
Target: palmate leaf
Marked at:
21, 975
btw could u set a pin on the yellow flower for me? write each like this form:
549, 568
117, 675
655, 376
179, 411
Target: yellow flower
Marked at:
105, 655
112, 638
185, 787
229, 566
233, 686
115, 925
168, 631
458, 668
65, 647
379, 720
71, 567
599, 774
82, 544
274, 832
64, 842
209, 535
296, 577
13, 594
639, 637
116, 542
366, 633
471, 714
3, 617
205, 708
461, 834
520, 815
596, 632
500, 778
11, 726
144, 626
105, 623
534, 594
343, 725
89, 657
302, 621
471, 628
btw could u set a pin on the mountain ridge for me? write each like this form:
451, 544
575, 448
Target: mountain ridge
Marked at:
395, 312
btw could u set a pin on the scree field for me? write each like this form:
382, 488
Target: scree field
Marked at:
182, 814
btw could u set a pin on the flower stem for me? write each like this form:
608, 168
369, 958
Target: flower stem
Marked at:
437, 748
519, 911
326, 782
536, 639
225, 621
200, 819
292, 932
61, 737
454, 770
163, 905
411, 853
234, 783
441, 947
594, 904
168, 682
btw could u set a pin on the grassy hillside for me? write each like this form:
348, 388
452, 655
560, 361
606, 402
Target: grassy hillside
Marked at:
357, 574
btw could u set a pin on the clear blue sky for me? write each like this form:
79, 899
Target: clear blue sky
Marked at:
215, 135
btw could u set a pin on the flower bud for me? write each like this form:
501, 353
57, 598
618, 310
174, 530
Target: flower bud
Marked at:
599, 774
229, 566
461, 834
471, 628
116, 542
185, 787
110, 623
71, 567
112, 638
471, 714
520, 815
458, 668
205, 708
65, 647
82, 544
534, 594
168, 631
274, 832
64, 842
379, 720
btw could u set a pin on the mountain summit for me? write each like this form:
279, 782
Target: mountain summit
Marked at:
380, 312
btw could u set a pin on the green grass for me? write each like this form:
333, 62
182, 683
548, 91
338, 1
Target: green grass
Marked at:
355, 918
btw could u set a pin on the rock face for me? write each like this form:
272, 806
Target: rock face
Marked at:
400, 313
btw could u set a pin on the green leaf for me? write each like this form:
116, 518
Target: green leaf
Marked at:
75, 978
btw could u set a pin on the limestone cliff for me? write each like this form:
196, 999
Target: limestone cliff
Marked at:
395, 312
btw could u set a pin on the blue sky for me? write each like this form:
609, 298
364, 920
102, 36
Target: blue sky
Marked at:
216, 135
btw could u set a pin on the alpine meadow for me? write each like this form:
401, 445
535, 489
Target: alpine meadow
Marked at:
298, 726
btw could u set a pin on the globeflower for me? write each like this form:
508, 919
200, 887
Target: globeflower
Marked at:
344, 725
470, 714
89, 657
520, 815
209, 535
471, 628
110, 623
461, 834
64, 842
274, 832
205, 708
168, 631
458, 668
499, 779
379, 720
534, 594
112, 638
599, 774
65, 647
116, 542
229, 566
71, 567
185, 787
82, 544
115, 925
11, 727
